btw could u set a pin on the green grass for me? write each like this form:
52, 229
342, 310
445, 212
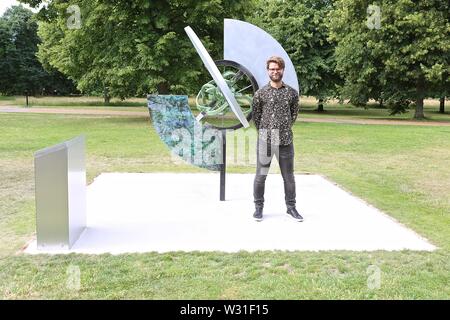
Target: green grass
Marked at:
402, 170
6, 98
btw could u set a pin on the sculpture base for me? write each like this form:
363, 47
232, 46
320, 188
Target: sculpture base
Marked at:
135, 212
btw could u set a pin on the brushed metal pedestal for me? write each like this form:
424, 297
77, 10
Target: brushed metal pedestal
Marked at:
60, 189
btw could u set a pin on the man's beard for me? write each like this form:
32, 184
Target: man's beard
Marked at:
276, 78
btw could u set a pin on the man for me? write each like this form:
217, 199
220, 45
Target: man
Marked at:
275, 109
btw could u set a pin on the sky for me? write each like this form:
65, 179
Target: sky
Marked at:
5, 4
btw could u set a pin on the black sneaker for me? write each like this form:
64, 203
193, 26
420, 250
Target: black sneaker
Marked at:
258, 215
292, 212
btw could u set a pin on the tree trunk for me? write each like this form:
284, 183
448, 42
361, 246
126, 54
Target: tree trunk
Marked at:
419, 100
442, 105
106, 96
419, 109
320, 106
381, 101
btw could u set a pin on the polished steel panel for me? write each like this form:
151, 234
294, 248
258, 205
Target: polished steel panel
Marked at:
251, 46
60, 192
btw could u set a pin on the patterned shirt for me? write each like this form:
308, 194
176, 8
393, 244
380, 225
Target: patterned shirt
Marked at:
275, 111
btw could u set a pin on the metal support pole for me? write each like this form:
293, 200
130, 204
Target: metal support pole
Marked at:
224, 165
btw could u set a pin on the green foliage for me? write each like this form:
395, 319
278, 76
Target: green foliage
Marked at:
405, 59
134, 48
141, 47
21, 70
300, 27
6, 51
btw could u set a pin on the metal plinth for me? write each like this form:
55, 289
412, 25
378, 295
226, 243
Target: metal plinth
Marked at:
60, 187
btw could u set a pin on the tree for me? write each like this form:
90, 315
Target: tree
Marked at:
7, 50
133, 47
21, 70
400, 58
300, 27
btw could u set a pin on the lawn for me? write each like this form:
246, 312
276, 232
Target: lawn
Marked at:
402, 170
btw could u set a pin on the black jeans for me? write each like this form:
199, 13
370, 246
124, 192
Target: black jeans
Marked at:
285, 157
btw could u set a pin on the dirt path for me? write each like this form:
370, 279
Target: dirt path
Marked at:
12, 109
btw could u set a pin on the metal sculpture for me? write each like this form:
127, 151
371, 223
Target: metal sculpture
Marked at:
235, 80
212, 104
251, 46
216, 75
197, 144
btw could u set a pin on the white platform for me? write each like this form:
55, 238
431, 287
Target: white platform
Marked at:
134, 212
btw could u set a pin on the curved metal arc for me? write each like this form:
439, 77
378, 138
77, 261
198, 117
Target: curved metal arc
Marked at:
172, 118
251, 46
